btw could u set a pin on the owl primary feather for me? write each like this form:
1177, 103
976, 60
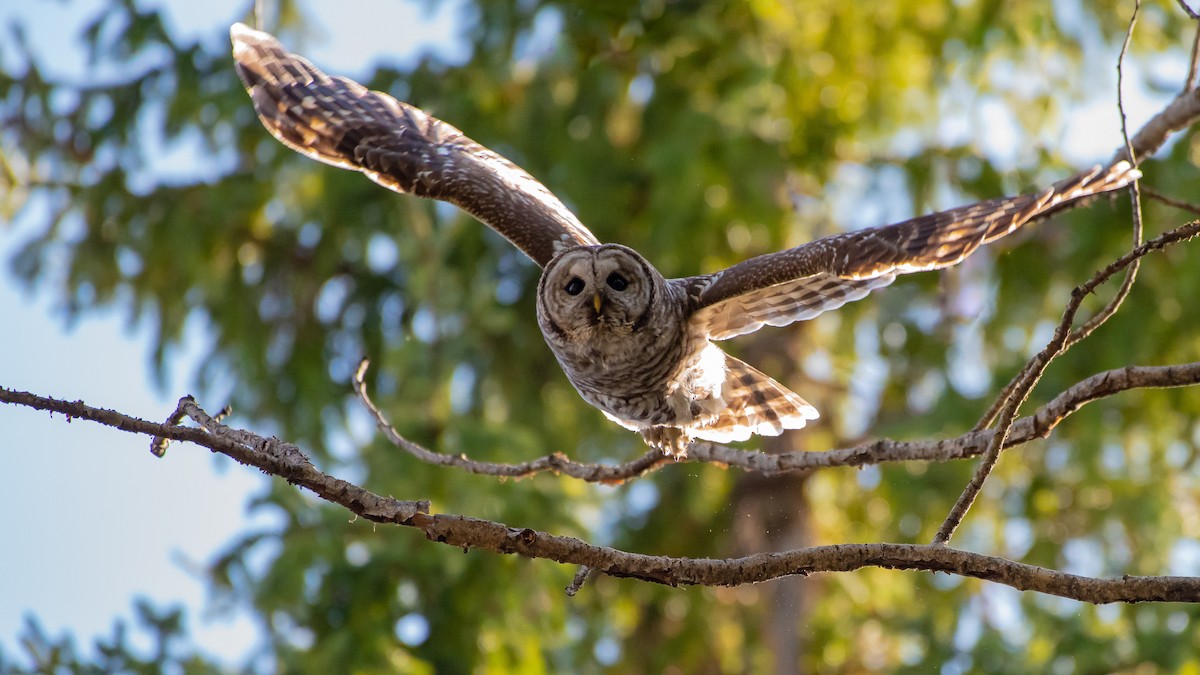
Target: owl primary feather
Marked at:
636, 345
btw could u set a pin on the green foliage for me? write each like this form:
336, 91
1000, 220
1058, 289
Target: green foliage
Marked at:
164, 630
701, 134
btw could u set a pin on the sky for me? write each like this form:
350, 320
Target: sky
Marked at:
94, 519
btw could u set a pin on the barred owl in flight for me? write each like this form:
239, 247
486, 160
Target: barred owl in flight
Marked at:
638, 346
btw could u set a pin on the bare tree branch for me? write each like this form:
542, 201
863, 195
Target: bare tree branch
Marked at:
1179, 114
1187, 9
1020, 381
557, 462
1033, 370
286, 461
971, 444
581, 578
1135, 193
1171, 201
1194, 63
880, 451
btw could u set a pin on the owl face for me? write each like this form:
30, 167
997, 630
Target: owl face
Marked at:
594, 289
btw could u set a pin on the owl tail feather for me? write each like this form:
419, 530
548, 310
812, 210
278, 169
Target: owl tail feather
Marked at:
754, 404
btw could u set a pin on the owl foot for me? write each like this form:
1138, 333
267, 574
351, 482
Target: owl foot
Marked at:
672, 441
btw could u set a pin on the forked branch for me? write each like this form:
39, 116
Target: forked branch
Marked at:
1040, 361
286, 461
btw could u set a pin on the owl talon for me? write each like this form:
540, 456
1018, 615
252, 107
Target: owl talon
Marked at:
672, 441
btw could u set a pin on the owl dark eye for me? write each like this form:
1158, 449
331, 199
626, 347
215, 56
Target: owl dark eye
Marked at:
617, 282
574, 286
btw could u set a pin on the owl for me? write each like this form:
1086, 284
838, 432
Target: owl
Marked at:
640, 347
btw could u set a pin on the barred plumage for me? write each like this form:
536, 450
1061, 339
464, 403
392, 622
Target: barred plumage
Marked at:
636, 345
340, 122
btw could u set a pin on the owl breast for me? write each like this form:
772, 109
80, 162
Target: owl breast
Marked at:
626, 373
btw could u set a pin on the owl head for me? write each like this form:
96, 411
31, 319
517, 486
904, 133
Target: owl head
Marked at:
591, 289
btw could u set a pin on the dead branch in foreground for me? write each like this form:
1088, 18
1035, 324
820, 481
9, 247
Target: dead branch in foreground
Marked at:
286, 461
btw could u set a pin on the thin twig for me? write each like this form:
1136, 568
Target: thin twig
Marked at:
1033, 372
971, 444
1179, 114
557, 462
1171, 201
1188, 10
1021, 381
884, 451
1194, 64
1135, 194
881, 451
1036, 366
1001, 399
581, 578
158, 445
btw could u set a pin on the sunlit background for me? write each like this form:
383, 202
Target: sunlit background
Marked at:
93, 521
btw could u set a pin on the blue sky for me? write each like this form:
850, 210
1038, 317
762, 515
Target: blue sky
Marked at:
92, 518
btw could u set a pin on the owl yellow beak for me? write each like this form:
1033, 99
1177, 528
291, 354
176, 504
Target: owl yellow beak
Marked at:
597, 301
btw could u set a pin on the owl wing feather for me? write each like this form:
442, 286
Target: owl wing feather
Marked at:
340, 122
780, 288
754, 404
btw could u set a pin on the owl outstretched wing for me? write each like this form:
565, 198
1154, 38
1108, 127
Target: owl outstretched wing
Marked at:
340, 122
779, 288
